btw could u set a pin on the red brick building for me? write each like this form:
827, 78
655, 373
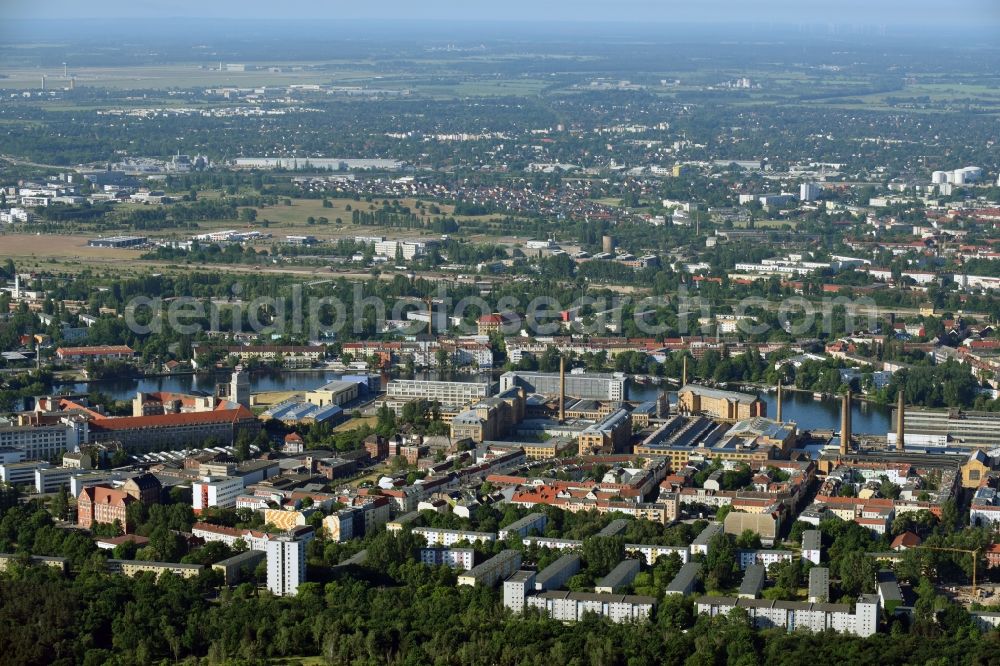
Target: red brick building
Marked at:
103, 505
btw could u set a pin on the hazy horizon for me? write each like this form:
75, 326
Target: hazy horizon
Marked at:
887, 13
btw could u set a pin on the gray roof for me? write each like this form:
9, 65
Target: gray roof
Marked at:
616, 526
706, 534
684, 579
753, 580
569, 560
621, 575
819, 583
521, 576
811, 540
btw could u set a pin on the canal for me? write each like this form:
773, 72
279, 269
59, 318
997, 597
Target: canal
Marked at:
808, 413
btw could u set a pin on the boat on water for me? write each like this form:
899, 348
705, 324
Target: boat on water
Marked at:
817, 396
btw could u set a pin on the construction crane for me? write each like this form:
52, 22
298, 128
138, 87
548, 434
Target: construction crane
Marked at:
975, 558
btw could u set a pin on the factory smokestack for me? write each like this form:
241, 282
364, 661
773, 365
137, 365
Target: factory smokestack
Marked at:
562, 389
684, 373
845, 424
777, 416
900, 423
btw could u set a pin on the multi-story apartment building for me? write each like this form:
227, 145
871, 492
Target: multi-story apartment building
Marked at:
792, 615
532, 522
456, 558
436, 536
286, 565
133, 568
572, 606
288, 355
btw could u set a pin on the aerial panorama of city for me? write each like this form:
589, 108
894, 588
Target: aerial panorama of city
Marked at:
532, 333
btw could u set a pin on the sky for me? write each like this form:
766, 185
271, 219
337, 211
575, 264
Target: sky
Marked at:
977, 13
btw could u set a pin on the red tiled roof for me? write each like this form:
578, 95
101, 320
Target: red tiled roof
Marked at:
105, 495
94, 351
906, 540
173, 420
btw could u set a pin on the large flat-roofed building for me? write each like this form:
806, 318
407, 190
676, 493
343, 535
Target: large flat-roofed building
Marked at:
572, 606
216, 491
336, 393
498, 567
490, 418
590, 385
938, 428
44, 441
321, 163
684, 437
118, 242
449, 393
719, 404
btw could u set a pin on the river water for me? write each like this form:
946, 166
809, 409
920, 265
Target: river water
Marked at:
808, 413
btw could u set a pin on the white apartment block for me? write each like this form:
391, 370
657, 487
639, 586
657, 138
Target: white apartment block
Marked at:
516, 590
436, 536
764, 557
817, 617
456, 558
652, 553
571, 606
216, 491
42, 442
449, 393
286, 565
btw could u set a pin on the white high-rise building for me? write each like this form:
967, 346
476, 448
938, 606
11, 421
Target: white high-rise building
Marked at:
286, 565
239, 387
809, 191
